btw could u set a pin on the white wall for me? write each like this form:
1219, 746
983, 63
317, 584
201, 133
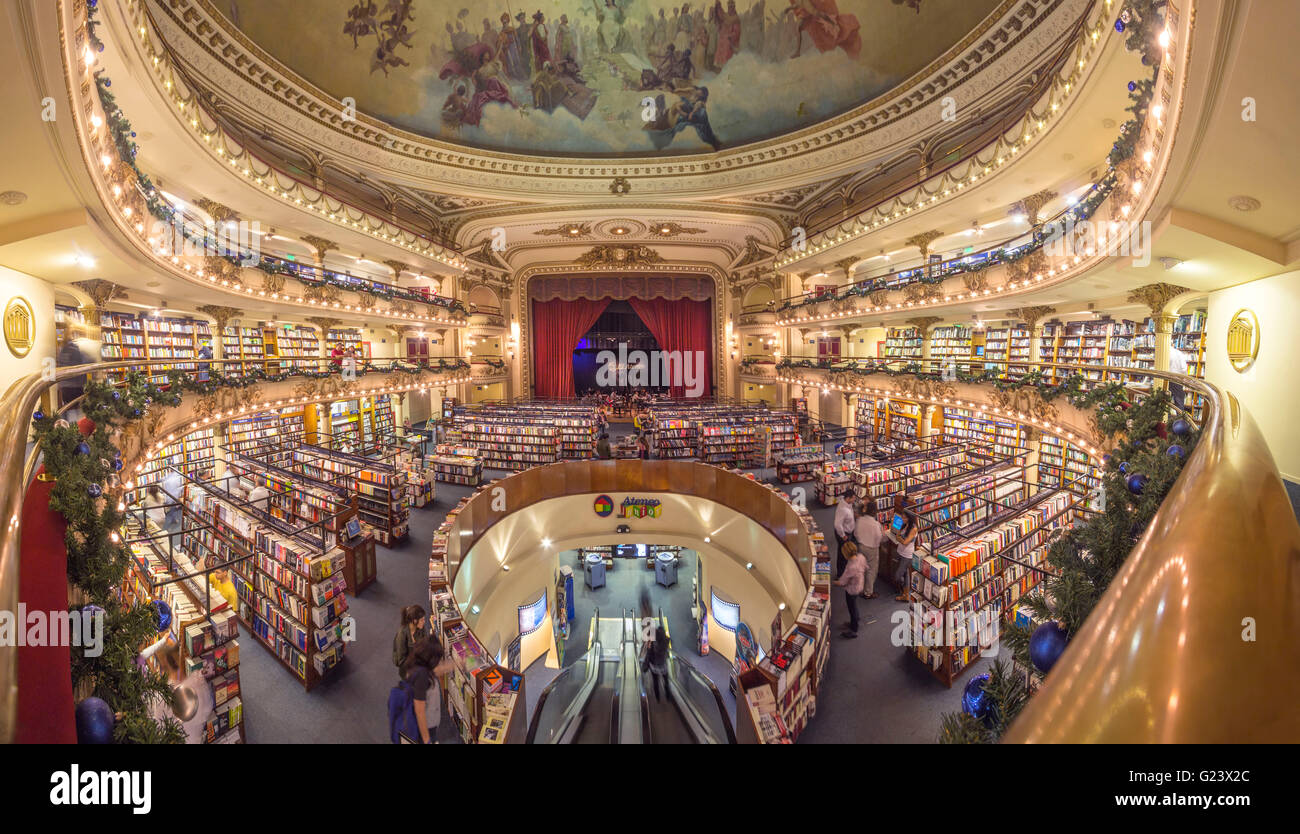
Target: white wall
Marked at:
1267, 388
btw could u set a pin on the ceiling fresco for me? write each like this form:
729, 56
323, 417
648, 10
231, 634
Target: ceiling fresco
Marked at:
605, 77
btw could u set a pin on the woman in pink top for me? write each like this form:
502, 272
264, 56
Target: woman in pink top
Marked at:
851, 580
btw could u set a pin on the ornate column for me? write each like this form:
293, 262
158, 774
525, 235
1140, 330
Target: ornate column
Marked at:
923, 241
1156, 296
1030, 206
1032, 316
323, 325
100, 292
319, 246
924, 323
924, 430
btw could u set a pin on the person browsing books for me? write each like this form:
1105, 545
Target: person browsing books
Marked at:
427, 662
412, 630
902, 532
845, 527
852, 581
602, 447
868, 533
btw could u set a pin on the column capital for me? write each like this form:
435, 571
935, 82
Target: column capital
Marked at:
222, 315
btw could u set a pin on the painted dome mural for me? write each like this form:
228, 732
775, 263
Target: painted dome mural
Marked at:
606, 77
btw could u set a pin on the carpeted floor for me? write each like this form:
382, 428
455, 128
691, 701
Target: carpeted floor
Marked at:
875, 693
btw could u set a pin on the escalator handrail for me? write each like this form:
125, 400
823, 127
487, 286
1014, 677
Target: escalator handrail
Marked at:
690, 711
569, 719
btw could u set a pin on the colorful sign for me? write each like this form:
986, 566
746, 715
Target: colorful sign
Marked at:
640, 508
604, 505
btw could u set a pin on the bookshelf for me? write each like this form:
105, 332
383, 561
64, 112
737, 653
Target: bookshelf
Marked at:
291, 591
777, 696
204, 630
577, 437
953, 342
350, 338
1084, 343
509, 443
378, 487
904, 343
122, 337
834, 479
1061, 464
903, 420
733, 445
295, 346
986, 439
882, 479
800, 463
457, 465
997, 347
957, 591
1018, 344
1047, 350
675, 437
869, 418
1189, 336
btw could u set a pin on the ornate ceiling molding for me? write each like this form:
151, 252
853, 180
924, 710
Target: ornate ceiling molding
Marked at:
221, 315
618, 257
234, 69
100, 291
1156, 296
1032, 315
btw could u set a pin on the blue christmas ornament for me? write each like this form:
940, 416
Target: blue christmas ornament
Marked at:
1123, 466
1136, 483
1119, 26
117, 464
83, 448
38, 416
94, 721
1046, 644
1181, 427
162, 614
1132, 85
117, 395
975, 702
95, 490
135, 412
1175, 450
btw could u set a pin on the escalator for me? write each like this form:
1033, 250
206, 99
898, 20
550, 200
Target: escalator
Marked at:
604, 698
594, 701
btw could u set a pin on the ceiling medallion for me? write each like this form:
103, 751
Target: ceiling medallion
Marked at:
620, 186
1241, 202
13, 198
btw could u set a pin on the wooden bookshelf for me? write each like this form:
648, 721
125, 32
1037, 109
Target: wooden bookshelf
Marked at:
800, 463
457, 465
904, 343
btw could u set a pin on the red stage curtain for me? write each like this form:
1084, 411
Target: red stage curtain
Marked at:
557, 327
680, 325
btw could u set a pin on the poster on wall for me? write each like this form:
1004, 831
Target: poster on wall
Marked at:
514, 655
532, 614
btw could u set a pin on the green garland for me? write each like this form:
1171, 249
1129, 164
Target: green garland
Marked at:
97, 564
1086, 559
124, 143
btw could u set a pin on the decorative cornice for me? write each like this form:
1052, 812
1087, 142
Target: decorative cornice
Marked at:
1156, 296
1030, 206
100, 291
325, 323
398, 267
221, 315
847, 265
618, 256
672, 229
1032, 315
923, 240
319, 244
924, 323
569, 230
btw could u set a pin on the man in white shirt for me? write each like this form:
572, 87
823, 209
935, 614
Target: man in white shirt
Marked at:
845, 528
1178, 364
868, 532
260, 497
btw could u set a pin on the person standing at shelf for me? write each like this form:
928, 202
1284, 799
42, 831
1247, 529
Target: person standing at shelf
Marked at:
413, 629
260, 497
656, 661
845, 529
904, 542
868, 533
426, 663
154, 505
205, 352
602, 447
642, 447
1178, 364
174, 486
337, 354
852, 580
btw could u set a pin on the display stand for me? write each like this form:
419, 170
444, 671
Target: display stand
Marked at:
457, 465
800, 463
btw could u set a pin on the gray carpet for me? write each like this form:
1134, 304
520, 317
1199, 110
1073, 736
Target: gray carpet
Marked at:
874, 693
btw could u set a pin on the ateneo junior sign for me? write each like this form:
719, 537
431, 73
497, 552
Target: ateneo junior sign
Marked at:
629, 508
